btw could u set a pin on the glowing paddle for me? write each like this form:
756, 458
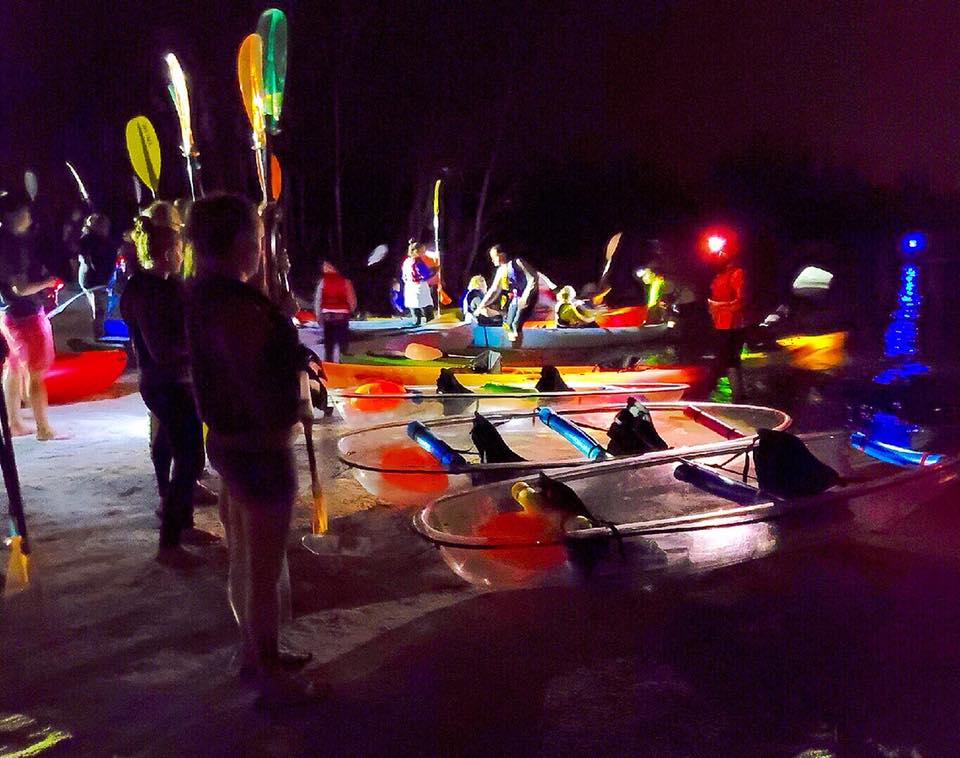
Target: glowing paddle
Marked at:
181, 102
250, 76
143, 148
272, 29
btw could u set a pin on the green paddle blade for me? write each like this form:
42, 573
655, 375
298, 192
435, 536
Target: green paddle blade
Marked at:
272, 28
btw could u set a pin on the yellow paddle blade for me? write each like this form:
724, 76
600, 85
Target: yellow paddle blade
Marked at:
418, 352
18, 574
250, 76
144, 150
319, 522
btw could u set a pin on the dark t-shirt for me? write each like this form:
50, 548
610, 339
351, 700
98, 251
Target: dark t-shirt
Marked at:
97, 260
14, 269
155, 311
245, 356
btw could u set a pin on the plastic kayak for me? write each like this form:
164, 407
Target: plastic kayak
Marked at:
668, 515
552, 338
445, 336
411, 373
384, 402
75, 376
412, 464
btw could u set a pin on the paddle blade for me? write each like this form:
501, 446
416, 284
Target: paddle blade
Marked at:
378, 254
18, 568
272, 29
418, 352
319, 523
181, 102
250, 76
30, 185
143, 147
276, 178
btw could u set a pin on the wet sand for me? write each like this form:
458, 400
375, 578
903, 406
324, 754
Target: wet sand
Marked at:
847, 645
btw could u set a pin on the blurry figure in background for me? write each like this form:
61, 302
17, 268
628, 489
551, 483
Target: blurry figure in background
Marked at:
416, 283
333, 304
396, 297
24, 324
572, 312
153, 305
476, 288
725, 304
661, 294
97, 262
72, 229
513, 293
181, 207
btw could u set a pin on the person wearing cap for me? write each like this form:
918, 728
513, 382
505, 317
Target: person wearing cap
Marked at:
570, 312
97, 262
23, 323
416, 277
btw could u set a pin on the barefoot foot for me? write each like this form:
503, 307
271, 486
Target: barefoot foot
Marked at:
45, 433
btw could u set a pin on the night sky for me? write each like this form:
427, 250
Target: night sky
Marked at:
427, 85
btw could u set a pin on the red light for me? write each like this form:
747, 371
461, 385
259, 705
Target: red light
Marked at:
715, 243
718, 242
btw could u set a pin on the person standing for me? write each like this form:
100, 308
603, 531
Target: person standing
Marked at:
725, 304
23, 323
97, 262
335, 300
153, 306
514, 289
246, 362
416, 283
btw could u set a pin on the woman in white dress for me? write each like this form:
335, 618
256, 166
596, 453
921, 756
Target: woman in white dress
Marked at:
416, 283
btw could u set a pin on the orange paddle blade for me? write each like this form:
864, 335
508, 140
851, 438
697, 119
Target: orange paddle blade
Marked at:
319, 523
250, 76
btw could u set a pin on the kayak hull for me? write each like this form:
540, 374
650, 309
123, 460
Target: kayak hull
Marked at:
76, 376
668, 525
397, 471
552, 338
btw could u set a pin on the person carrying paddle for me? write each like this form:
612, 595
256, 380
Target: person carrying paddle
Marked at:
514, 290
416, 277
23, 322
334, 301
246, 362
153, 306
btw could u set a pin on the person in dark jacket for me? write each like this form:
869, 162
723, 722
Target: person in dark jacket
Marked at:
153, 305
247, 362
97, 262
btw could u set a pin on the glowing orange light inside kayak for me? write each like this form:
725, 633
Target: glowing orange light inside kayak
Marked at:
410, 456
374, 405
527, 527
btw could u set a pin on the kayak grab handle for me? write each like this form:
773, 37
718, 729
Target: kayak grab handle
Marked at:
712, 423
430, 442
898, 456
572, 434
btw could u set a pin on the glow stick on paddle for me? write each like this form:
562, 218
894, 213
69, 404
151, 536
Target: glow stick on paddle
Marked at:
181, 102
272, 29
250, 76
143, 147
84, 195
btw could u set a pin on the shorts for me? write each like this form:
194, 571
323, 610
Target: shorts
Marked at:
29, 340
262, 477
729, 347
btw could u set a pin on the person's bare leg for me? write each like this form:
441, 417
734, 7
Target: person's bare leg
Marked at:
39, 403
13, 394
265, 535
237, 573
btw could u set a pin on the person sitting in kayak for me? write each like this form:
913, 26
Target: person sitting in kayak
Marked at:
333, 303
416, 276
513, 292
476, 289
570, 312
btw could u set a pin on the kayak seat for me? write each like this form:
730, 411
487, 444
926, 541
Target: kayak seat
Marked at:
786, 468
551, 381
489, 443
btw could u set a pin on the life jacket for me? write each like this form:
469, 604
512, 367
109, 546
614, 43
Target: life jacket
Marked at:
334, 297
726, 292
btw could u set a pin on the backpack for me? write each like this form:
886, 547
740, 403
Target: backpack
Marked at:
785, 467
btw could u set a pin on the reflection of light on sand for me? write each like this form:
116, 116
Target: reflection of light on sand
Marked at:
22, 735
721, 545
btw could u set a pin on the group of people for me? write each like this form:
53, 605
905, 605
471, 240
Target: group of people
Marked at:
215, 351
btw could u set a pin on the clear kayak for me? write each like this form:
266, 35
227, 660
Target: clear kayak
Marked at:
653, 515
414, 463
411, 373
384, 402
551, 338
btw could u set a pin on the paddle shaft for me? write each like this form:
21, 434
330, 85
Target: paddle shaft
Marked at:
11, 478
